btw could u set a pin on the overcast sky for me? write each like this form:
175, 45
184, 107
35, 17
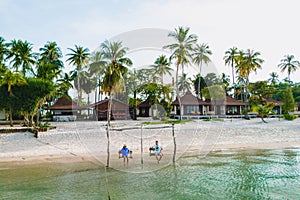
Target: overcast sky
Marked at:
268, 26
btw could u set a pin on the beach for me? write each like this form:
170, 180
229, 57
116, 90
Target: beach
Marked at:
87, 141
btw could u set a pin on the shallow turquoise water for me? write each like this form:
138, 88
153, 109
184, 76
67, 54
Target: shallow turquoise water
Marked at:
251, 174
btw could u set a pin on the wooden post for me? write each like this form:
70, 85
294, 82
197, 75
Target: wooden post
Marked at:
174, 140
142, 160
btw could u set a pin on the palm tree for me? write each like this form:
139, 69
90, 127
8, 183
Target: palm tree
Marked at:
184, 83
248, 62
201, 54
161, 67
115, 67
3, 52
274, 78
21, 55
289, 64
181, 52
11, 79
65, 83
230, 59
49, 66
78, 57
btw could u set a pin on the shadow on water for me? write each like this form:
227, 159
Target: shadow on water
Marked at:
253, 174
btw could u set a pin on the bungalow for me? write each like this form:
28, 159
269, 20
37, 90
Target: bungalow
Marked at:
64, 109
191, 105
278, 106
144, 108
119, 110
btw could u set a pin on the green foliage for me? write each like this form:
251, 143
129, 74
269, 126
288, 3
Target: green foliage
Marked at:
288, 101
265, 110
289, 117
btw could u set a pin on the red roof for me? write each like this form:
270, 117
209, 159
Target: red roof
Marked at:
145, 104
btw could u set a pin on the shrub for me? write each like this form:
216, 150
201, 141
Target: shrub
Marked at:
289, 117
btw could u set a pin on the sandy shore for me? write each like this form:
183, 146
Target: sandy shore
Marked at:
86, 141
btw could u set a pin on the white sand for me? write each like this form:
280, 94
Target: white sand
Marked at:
76, 141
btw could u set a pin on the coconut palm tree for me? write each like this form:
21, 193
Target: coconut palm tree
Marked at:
78, 57
49, 65
64, 84
21, 55
11, 79
289, 64
162, 67
115, 67
201, 54
184, 83
3, 52
248, 62
274, 78
181, 51
230, 59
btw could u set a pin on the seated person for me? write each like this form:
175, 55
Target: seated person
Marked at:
125, 151
157, 151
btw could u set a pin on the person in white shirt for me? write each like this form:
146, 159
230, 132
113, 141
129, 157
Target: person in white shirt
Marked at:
157, 151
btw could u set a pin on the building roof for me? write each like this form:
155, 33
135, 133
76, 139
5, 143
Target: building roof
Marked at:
189, 99
277, 103
64, 103
105, 101
233, 102
145, 104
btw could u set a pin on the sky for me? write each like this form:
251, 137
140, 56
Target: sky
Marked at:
268, 26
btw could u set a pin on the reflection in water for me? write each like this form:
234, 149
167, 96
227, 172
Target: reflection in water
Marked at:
252, 174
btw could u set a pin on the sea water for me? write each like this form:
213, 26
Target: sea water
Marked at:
248, 174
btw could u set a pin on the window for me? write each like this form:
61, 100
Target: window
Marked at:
192, 109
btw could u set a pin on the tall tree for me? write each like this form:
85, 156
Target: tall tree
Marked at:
162, 67
21, 55
49, 65
3, 53
273, 78
288, 101
248, 62
11, 79
289, 64
184, 83
201, 55
78, 57
182, 52
115, 67
230, 59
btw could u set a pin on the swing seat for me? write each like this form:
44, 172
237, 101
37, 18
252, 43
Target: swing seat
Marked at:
151, 151
120, 154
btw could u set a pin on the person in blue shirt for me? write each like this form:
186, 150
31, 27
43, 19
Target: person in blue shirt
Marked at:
157, 151
125, 151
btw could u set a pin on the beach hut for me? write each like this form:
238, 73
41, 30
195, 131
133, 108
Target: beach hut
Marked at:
191, 105
119, 109
64, 109
144, 108
278, 106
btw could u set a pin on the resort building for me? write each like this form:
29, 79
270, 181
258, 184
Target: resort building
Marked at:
193, 106
119, 110
277, 106
64, 109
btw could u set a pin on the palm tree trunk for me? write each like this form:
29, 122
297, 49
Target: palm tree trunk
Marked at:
233, 83
199, 82
177, 93
246, 97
